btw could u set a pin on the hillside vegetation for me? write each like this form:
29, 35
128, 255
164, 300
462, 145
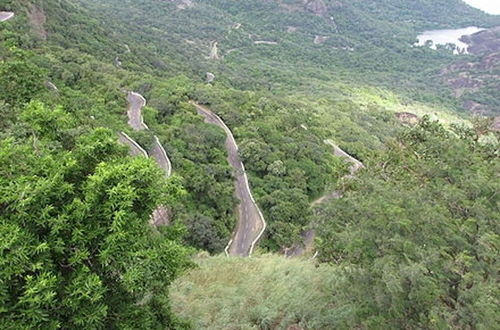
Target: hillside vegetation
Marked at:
413, 243
264, 292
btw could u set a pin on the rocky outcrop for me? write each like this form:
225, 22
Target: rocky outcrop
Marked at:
483, 42
214, 51
475, 107
210, 77
470, 78
318, 7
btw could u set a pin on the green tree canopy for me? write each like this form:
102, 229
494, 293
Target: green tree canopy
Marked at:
417, 235
77, 249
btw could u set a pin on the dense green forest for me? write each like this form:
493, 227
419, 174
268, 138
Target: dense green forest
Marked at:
413, 243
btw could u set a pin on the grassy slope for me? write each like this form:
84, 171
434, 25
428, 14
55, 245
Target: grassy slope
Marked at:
254, 293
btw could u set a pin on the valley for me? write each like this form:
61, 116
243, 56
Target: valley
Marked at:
267, 164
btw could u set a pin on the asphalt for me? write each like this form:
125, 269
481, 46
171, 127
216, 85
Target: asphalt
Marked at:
162, 215
6, 15
251, 223
134, 148
159, 154
135, 104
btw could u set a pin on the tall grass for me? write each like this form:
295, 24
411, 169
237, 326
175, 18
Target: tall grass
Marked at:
264, 292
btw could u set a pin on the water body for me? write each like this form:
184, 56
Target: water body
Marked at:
444, 37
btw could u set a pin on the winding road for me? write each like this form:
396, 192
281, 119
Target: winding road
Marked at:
135, 104
6, 15
160, 155
134, 111
135, 149
251, 224
308, 236
162, 215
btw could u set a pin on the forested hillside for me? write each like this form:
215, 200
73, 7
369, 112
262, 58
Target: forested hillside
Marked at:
413, 242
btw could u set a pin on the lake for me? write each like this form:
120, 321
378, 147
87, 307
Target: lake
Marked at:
443, 37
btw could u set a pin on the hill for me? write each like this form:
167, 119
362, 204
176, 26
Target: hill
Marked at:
284, 77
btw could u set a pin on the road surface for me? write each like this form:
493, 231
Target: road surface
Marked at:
159, 154
308, 236
251, 223
355, 164
162, 215
134, 148
6, 15
135, 104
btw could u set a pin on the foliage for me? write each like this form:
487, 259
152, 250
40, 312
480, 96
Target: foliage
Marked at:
417, 234
77, 249
263, 292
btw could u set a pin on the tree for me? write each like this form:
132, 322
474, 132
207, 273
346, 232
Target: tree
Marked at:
77, 250
416, 235
20, 81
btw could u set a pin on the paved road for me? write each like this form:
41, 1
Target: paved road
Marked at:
134, 148
355, 164
135, 104
160, 155
251, 223
6, 15
308, 236
162, 215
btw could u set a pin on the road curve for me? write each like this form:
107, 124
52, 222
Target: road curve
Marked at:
251, 224
308, 236
161, 216
6, 15
160, 155
135, 104
134, 148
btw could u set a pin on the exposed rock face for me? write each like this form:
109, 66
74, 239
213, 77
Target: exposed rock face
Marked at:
210, 77
407, 118
161, 216
214, 52
483, 42
475, 75
318, 7
50, 86
475, 107
291, 29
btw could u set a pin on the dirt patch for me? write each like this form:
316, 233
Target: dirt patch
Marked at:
37, 19
407, 118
